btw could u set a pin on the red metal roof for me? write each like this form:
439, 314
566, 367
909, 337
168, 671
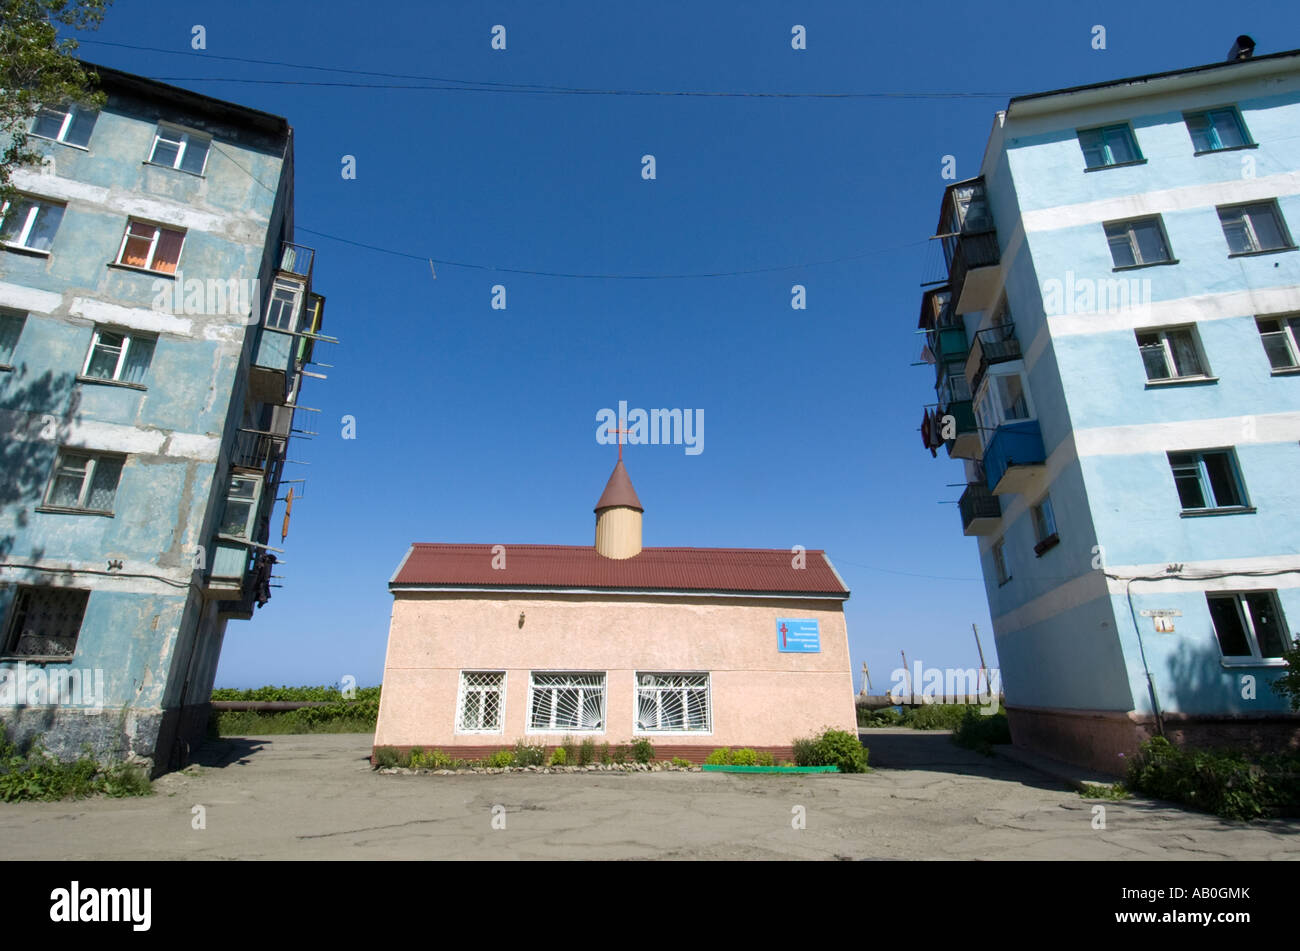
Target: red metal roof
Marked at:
752, 570
619, 491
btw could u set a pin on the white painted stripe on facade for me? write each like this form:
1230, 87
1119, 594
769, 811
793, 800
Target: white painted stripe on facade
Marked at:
153, 208
194, 446
1162, 201
1255, 429
29, 298
134, 318
1183, 310
1088, 587
114, 437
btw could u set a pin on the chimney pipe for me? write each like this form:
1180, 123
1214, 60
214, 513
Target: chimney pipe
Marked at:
1243, 49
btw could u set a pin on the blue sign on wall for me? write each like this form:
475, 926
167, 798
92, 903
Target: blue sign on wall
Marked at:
798, 636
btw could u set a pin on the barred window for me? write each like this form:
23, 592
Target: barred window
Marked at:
567, 702
482, 701
673, 703
45, 621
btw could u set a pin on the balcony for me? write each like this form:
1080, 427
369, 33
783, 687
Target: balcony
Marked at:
254, 449
970, 246
282, 339
966, 443
1014, 460
997, 344
981, 510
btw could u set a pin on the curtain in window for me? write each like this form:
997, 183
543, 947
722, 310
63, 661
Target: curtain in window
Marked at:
196, 153
1153, 356
69, 478
1268, 232
105, 353
1151, 243
103, 485
169, 251
1187, 361
138, 357
139, 238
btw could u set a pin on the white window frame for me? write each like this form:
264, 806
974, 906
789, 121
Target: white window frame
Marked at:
990, 414
296, 308
1206, 485
258, 479
1289, 337
68, 114
660, 690
1135, 246
181, 138
39, 205
1248, 224
604, 701
87, 479
1256, 656
467, 688
1170, 364
153, 245
128, 340
1000, 570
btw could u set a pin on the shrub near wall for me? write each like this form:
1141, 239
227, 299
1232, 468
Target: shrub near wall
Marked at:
1228, 783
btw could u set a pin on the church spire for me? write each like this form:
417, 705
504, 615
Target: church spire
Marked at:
618, 514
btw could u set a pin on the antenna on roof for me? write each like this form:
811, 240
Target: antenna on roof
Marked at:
1243, 49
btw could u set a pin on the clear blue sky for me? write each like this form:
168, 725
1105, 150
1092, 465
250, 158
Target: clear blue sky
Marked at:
478, 425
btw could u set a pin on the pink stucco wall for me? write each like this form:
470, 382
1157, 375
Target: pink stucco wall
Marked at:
760, 696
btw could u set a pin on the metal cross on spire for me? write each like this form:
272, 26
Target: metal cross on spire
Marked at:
619, 433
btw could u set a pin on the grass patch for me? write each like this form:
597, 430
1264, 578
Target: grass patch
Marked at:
981, 733
1232, 784
36, 775
254, 723
1105, 791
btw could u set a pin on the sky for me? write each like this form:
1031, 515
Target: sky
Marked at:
475, 424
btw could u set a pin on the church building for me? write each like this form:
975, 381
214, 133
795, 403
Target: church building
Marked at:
690, 648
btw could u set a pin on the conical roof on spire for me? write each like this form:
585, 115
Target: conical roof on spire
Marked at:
619, 491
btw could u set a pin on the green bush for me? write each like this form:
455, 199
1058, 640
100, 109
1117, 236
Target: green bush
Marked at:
37, 775
766, 759
979, 732
385, 758
619, 754
587, 752
936, 716
678, 761
744, 757
526, 755
1228, 783
432, 759
1288, 684
887, 716
719, 757
642, 751
837, 748
560, 757
606, 756
500, 759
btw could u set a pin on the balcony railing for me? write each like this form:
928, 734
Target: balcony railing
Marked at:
997, 344
297, 260
947, 344
254, 449
978, 505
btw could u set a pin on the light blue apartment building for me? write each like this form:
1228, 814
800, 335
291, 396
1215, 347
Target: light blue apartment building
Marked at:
1117, 356
156, 323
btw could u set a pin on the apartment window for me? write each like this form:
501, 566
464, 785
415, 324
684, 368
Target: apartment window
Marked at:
118, 356
1000, 561
566, 702
282, 309
177, 148
1171, 353
30, 223
11, 328
1280, 335
1002, 399
1208, 480
1045, 526
1217, 129
71, 125
45, 622
1109, 145
480, 707
151, 247
242, 498
1251, 229
1138, 242
84, 481
673, 703
1249, 625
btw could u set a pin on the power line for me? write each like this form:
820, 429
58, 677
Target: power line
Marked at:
452, 84
610, 276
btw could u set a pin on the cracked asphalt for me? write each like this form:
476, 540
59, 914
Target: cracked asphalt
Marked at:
315, 797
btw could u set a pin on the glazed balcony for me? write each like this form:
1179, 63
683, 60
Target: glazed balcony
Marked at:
970, 246
993, 345
981, 510
1014, 460
291, 319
